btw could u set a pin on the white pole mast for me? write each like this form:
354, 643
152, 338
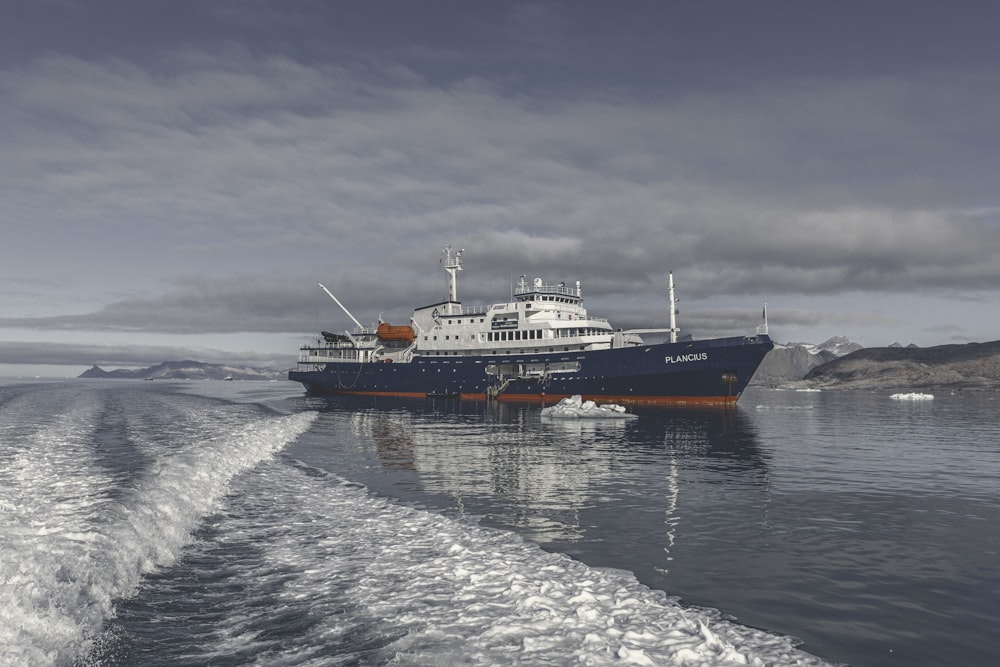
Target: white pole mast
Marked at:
673, 307
452, 265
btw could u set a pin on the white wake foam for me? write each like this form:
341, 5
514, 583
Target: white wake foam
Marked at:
72, 544
445, 592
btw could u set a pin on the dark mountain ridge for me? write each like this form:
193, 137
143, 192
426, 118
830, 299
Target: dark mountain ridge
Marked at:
790, 362
966, 366
187, 370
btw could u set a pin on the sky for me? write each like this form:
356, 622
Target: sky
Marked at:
176, 177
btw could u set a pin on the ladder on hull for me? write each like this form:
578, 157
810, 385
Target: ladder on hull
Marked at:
495, 390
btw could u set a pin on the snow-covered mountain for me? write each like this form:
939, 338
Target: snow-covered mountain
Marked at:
838, 346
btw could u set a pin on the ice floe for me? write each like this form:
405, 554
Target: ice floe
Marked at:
575, 407
915, 396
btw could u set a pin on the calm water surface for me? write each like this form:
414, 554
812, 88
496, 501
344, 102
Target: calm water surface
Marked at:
235, 523
865, 526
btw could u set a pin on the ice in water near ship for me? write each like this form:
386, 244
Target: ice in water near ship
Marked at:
913, 396
542, 347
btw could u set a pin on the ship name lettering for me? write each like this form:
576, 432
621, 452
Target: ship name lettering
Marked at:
682, 358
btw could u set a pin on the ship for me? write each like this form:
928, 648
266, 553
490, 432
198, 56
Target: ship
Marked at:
542, 345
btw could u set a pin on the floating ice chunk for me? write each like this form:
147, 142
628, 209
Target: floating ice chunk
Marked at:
916, 396
575, 407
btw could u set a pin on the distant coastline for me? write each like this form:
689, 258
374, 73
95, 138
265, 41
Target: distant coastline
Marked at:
960, 366
970, 366
188, 370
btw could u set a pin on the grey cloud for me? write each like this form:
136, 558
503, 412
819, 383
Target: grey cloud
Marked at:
267, 304
178, 171
197, 306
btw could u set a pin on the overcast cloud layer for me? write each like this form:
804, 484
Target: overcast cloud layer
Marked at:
195, 168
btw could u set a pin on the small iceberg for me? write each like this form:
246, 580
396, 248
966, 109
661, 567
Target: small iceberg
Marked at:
916, 396
575, 407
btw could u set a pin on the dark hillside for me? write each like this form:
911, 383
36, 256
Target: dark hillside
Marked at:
969, 366
187, 370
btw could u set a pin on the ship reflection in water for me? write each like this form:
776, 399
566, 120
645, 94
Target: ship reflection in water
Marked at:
621, 486
828, 516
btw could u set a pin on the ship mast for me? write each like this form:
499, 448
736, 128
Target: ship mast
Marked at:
673, 307
452, 265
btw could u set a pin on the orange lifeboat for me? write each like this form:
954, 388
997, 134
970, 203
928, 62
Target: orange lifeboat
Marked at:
387, 331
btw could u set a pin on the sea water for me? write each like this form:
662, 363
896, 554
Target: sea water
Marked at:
232, 523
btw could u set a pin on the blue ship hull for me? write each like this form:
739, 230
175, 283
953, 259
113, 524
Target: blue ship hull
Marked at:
712, 371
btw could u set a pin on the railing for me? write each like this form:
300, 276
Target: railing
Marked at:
547, 289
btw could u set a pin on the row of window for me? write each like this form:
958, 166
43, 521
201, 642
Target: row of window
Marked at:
472, 320
515, 334
465, 353
333, 353
534, 334
527, 334
554, 298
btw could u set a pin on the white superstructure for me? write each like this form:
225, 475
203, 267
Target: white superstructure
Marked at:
543, 317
